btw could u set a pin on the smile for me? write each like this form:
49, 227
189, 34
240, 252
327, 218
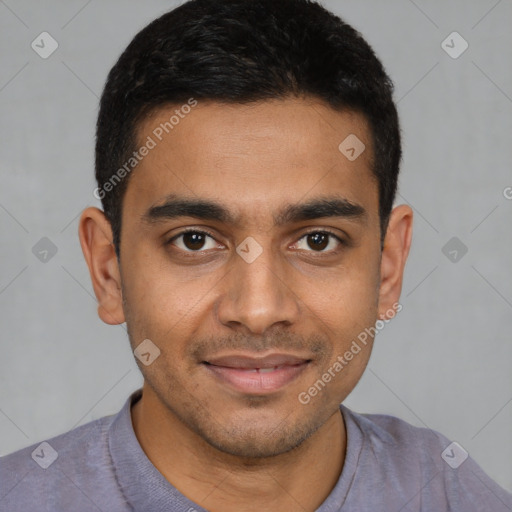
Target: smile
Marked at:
256, 375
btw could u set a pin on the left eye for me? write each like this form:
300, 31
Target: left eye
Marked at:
319, 240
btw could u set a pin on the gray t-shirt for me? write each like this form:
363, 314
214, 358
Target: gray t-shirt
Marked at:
390, 466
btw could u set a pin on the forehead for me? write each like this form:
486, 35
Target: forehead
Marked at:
252, 157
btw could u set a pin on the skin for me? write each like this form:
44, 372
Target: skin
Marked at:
224, 449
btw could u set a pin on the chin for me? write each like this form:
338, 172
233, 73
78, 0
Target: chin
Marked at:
253, 447
250, 441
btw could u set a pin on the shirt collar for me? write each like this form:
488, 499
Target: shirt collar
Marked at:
141, 484
145, 488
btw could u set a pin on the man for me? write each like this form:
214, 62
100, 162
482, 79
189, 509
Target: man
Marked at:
247, 159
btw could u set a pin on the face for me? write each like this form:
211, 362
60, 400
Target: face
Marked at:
250, 256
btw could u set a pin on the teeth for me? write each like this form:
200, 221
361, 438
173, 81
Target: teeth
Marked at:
268, 370
261, 370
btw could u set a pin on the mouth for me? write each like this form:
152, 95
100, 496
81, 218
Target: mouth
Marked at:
256, 375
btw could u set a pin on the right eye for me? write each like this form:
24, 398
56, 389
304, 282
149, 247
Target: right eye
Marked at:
192, 240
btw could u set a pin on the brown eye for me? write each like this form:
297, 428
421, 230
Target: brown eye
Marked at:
193, 241
317, 241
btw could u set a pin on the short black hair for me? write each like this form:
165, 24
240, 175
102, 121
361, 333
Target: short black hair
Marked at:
243, 51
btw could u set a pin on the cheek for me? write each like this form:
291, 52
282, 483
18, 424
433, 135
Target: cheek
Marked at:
347, 298
163, 306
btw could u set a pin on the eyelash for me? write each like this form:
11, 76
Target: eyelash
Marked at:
205, 232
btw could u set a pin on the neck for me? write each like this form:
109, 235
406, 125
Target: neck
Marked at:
297, 480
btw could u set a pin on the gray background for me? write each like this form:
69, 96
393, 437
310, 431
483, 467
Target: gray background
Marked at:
444, 362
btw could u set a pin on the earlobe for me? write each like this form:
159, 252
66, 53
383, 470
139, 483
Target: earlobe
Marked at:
394, 256
95, 235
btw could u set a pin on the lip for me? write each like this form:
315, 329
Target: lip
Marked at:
256, 375
248, 361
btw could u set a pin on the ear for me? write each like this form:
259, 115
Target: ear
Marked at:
95, 235
397, 243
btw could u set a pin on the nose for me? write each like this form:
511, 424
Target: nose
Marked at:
258, 294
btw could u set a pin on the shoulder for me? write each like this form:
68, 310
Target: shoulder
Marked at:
397, 446
70, 470
418, 466
392, 432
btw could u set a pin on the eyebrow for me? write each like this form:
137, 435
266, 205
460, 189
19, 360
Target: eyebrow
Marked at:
179, 206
